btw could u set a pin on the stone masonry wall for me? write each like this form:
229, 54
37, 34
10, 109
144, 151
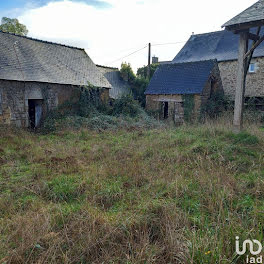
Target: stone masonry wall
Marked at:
214, 87
254, 82
176, 102
14, 98
175, 105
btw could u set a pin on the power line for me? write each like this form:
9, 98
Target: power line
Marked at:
127, 55
159, 44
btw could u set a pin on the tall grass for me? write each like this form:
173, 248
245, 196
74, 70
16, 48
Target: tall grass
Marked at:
165, 195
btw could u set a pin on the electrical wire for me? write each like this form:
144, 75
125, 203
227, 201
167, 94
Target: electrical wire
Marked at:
153, 45
127, 55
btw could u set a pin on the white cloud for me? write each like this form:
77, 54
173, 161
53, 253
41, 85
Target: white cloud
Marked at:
111, 33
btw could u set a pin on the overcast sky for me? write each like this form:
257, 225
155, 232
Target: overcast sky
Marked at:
112, 29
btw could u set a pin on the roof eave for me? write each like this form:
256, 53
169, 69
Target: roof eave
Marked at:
243, 26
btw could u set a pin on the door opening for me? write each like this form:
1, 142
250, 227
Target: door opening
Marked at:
166, 110
34, 112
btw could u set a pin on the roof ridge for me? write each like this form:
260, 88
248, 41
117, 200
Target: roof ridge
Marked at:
209, 33
40, 40
107, 67
189, 62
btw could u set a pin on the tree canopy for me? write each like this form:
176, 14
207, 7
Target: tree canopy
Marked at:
143, 71
138, 82
12, 25
127, 73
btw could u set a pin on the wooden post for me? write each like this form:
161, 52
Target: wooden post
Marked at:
240, 87
149, 56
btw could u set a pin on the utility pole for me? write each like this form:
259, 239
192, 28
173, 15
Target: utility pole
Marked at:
241, 81
149, 56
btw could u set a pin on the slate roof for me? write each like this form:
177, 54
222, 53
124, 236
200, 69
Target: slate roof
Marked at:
181, 78
119, 87
252, 14
219, 45
27, 59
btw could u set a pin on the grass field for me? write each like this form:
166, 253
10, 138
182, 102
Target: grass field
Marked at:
176, 195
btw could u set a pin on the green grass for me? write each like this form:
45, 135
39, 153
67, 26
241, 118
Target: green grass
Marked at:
140, 196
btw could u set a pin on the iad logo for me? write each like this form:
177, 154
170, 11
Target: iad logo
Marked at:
255, 248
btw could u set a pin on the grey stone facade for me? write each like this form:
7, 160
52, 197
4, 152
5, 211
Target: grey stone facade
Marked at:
254, 82
175, 102
15, 97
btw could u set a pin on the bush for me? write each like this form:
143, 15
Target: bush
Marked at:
126, 106
90, 112
216, 104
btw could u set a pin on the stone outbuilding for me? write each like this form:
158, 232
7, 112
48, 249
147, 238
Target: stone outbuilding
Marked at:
223, 46
37, 76
172, 84
119, 86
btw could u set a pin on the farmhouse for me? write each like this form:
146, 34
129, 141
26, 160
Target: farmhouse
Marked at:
173, 85
223, 46
119, 86
37, 76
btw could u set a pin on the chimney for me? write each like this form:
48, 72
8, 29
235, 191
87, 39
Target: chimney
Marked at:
155, 60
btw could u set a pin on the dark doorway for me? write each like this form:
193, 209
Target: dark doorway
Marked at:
166, 110
213, 87
34, 112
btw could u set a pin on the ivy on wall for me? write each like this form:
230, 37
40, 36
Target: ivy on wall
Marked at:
188, 104
216, 104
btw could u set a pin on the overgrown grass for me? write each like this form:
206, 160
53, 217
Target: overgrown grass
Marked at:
123, 113
175, 195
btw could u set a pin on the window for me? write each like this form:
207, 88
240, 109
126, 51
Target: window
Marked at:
252, 67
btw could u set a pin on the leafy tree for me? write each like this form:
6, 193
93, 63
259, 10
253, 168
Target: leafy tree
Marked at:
139, 89
143, 71
13, 26
127, 73
138, 82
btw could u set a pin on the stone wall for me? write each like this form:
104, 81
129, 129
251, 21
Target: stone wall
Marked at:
176, 101
154, 103
14, 96
254, 82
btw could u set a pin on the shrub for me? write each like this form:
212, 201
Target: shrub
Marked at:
216, 104
188, 102
126, 106
90, 112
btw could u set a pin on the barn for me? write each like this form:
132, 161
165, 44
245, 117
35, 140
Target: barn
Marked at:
119, 86
38, 76
174, 85
223, 46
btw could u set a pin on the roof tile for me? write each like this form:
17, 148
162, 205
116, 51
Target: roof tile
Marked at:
181, 78
27, 59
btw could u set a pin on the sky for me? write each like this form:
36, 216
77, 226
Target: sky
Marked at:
109, 30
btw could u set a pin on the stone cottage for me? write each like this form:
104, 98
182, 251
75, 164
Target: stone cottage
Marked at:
223, 46
119, 86
37, 76
172, 83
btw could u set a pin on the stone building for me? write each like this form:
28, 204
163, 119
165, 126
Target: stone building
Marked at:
223, 46
171, 84
37, 76
119, 86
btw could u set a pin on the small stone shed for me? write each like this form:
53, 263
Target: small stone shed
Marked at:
37, 76
119, 86
173, 83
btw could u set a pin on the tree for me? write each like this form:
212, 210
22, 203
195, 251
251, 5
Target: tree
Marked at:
127, 73
143, 71
138, 82
13, 26
139, 89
